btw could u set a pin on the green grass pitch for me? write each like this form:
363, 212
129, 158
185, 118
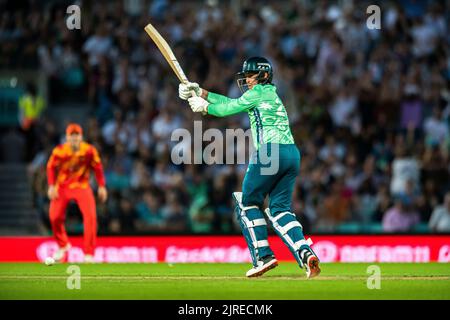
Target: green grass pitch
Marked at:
163, 281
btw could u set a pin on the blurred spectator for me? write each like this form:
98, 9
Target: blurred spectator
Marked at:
436, 128
440, 219
384, 202
149, 213
13, 147
201, 215
140, 176
336, 205
163, 126
366, 203
411, 109
343, 108
425, 37
118, 169
435, 167
174, 213
98, 44
402, 217
31, 106
127, 215
404, 168
428, 200
331, 149
220, 201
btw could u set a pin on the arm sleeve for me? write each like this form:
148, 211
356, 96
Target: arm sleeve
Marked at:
221, 106
96, 164
52, 164
217, 98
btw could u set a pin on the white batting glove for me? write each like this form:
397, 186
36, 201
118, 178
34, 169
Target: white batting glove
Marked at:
184, 90
198, 104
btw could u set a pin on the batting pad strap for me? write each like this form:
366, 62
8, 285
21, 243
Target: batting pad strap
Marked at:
260, 243
248, 208
255, 223
238, 198
289, 226
279, 216
302, 242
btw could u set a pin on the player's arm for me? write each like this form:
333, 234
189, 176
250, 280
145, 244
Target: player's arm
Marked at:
216, 104
221, 106
96, 164
212, 97
53, 163
185, 92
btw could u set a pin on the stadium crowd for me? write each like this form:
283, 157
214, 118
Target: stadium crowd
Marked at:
370, 109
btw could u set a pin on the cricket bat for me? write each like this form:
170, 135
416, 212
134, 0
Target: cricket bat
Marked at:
167, 52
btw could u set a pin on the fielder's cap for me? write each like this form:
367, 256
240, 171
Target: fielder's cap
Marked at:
74, 128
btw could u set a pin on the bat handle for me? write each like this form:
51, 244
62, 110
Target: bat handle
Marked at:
185, 81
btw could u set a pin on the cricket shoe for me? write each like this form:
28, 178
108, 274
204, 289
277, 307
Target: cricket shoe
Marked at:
89, 258
310, 262
61, 254
265, 264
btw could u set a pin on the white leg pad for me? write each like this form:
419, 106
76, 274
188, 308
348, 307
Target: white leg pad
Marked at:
300, 243
283, 230
289, 226
250, 224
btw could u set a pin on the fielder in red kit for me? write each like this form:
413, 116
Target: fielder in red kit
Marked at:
68, 173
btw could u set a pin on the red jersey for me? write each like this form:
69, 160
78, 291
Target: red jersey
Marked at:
70, 169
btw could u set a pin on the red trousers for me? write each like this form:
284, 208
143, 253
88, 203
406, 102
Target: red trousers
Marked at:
86, 202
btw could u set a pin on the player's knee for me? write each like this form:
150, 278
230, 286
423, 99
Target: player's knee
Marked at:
250, 200
285, 220
277, 212
277, 207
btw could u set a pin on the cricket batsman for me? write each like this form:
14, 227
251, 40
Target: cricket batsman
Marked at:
273, 140
68, 173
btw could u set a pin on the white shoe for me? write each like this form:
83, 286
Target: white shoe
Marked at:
61, 252
89, 258
263, 266
311, 263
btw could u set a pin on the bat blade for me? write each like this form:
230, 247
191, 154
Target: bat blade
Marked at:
166, 51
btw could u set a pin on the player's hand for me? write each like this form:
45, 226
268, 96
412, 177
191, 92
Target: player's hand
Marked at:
198, 104
52, 192
102, 194
184, 90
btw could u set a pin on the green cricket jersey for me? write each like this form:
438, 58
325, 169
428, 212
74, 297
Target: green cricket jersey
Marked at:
268, 118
